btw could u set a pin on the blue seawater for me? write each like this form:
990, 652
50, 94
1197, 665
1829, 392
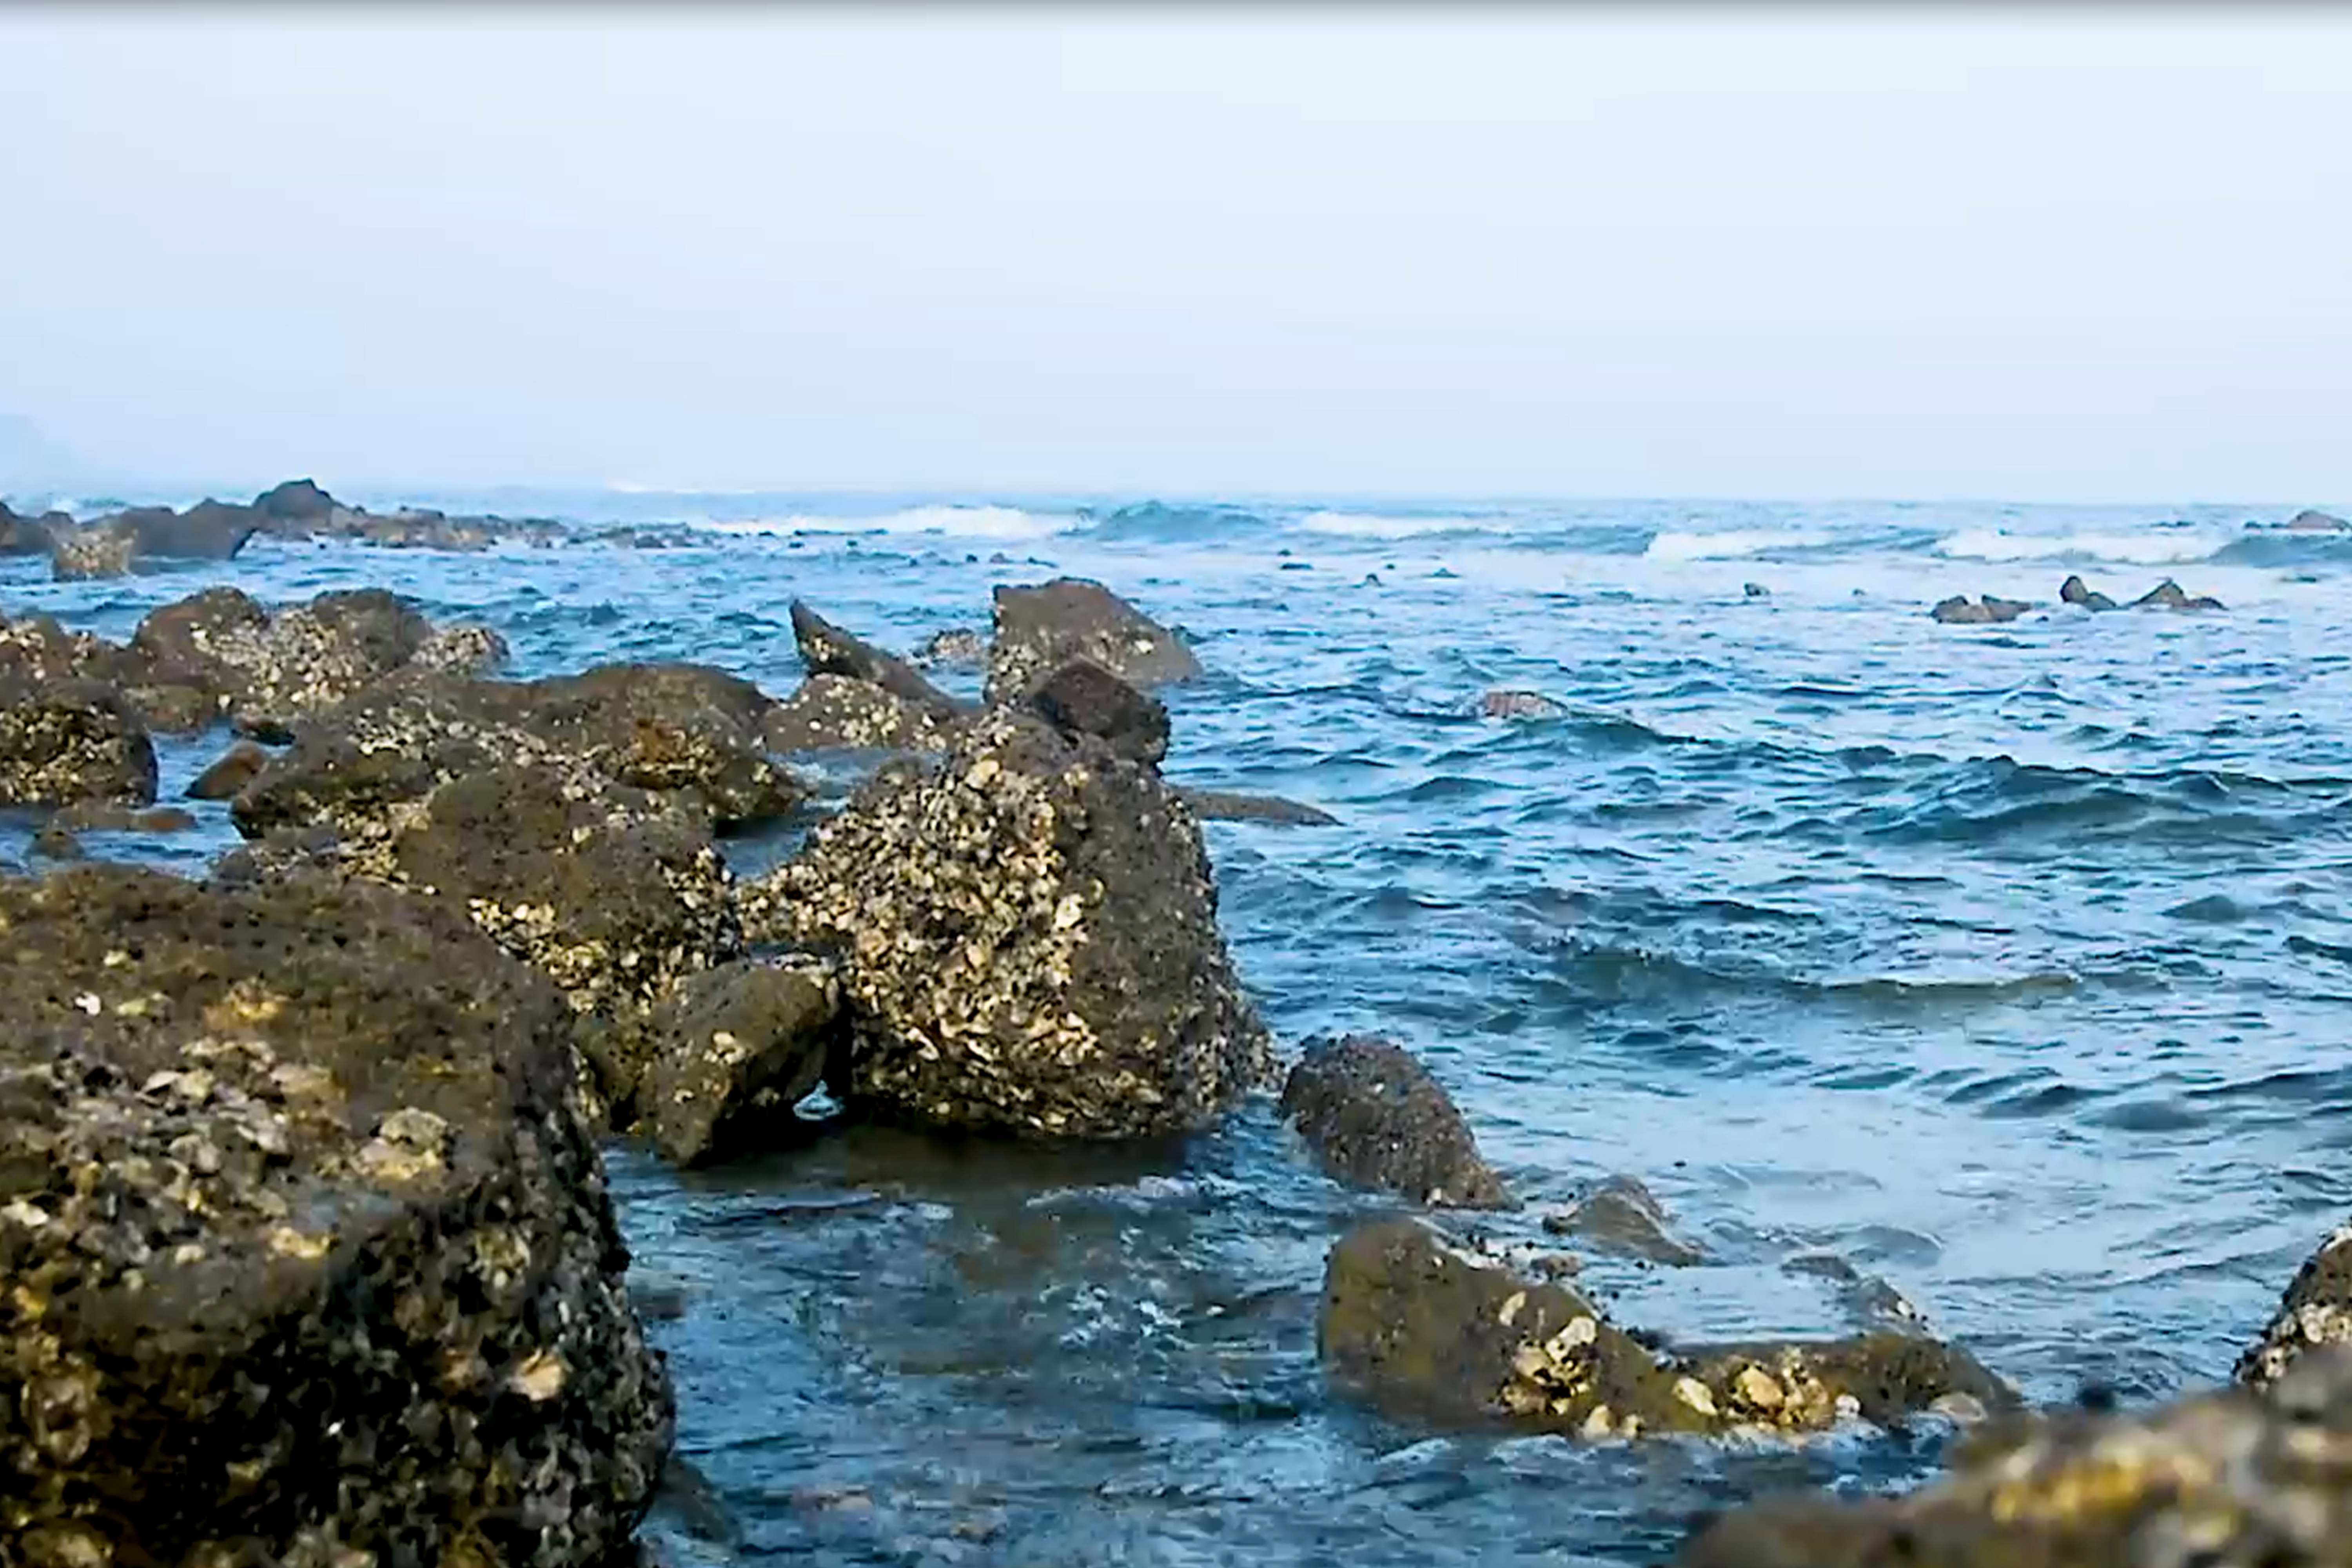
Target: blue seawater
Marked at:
2009, 964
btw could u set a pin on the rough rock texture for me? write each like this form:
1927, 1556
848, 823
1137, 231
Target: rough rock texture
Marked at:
833, 713
679, 728
21, 536
2315, 1310
1623, 1216
1991, 610
958, 647
230, 773
2169, 596
2309, 521
1449, 1336
1039, 629
1027, 940
1375, 1118
209, 531
2236, 1479
734, 1050
308, 1251
1082, 698
1225, 805
80, 554
827, 649
1520, 705
51, 842
2074, 591
67, 740
38, 648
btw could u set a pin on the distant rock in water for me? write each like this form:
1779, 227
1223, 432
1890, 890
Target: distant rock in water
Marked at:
1082, 698
1377, 1119
21, 536
1623, 1216
1521, 705
827, 649
1991, 610
958, 647
2229, 1478
2317, 522
209, 531
2314, 1313
1756, 590
1429, 1330
1227, 805
296, 500
2074, 591
1041, 629
2169, 596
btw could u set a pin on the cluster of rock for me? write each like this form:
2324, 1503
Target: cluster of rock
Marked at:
1993, 610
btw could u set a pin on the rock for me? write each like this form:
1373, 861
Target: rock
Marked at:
1224, 805
1426, 1329
37, 649
2169, 596
1082, 698
52, 842
98, 816
833, 712
231, 772
827, 649
91, 551
686, 729
2234, 1477
1755, 591
299, 502
2316, 1310
1041, 629
1027, 940
292, 1191
67, 740
21, 536
1622, 1216
269, 671
958, 647
2317, 522
464, 648
2074, 591
209, 531
734, 1050
1992, 610
1520, 705
1376, 1119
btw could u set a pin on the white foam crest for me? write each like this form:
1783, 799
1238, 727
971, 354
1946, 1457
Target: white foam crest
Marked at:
954, 521
2153, 549
1732, 544
1375, 525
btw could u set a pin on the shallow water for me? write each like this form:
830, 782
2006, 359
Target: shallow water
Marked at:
2009, 964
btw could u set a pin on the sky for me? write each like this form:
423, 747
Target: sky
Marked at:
2093, 254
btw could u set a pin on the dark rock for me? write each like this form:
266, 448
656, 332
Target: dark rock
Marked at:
1992, 610
98, 816
233, 771
1622, 1216
2317, 522
296, 501
1755, 591
209, 531
734, 1050
67, 740
827, 649
269, 671
2224, 1479
93, 551
1041, 629
2315, 1311
293, 1191
39, 649
1082, 698
2169, 596
2074, 591
1224, 805
1520, 705
1376, 1119
833, 712
52, 842
679, 728
1442, 1334
958, 647
1027, 940
21, 536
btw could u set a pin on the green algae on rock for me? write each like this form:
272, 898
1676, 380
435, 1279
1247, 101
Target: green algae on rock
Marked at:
1430, 1330
1377, 1119
1041, 629
1027, 941
307, 1251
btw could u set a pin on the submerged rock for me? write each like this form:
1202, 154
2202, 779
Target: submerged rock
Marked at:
51, 842
1623, 1216
1225, 805
2074, 591
1041, 629
1377, 1119
1755, 591
106, 816
2169, 596
1082, 698
2309, 521
1991, 610
827, 649
2222, 1478
1027, 941
229, 773
2315, 1311
958, 647
833, 713
732, 1052
309, 1253
67, 740
1520, 705
1425, 1328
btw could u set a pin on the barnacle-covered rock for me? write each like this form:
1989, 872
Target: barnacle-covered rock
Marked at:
67, 740
1027, 941
1376, 1117
304, 1250
113, 545
732, 1052
1082, 698
2315, 1310
833, 713
827, 649
1442, 1333
1041, 629
957, 647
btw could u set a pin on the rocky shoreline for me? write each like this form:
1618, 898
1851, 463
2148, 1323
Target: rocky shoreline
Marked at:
302, 1156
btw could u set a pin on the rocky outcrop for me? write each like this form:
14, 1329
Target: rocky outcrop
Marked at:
2309, 521
2235, 1476
1041, 629
2169, 596
827, 649
293, 1190
958, 647
1520, 705
1990, 610
67, 740
37, 649
1622, 1216
294, 504
21, 536
1442, 1334
1026, 935
1082, 698
2074, 591
2315, 1311
299, 509
230, 773
732, 1051
1226, 806
1376, 1119
111, 546
833, 713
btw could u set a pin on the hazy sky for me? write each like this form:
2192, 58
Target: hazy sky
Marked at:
2103, 254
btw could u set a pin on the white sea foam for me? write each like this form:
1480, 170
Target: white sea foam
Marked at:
2153, 548
1732, 544
951, 521
1374, 525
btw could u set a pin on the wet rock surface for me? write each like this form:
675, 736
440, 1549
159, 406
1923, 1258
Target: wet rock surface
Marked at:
1989, 610
1520, 705
66, 741
293, 1190
956, 648
1377, 1119
1082, 698
1229, 805
1427, 1328
2074, 591
2237, 1477
2171, 596
2315, 1312
230, 773
1623, 1216
111, 546
833, 713
1041, 629
2311, 521
22, 535
733, 1051
827, 649
1027, 942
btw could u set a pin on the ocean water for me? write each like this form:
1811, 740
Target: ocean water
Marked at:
2010, 964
